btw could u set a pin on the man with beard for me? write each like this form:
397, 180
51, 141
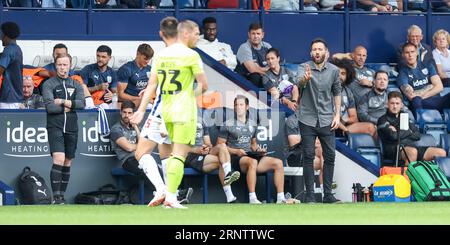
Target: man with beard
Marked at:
209, 44
319, 116
101, 79
251, 56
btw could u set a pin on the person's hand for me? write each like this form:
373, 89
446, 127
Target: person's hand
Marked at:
108, 96
223, 62
336, 121
58, 101
393, 128
292, 105
307, 76
137, 117
103, 86
261, 150
66, 109
241, 152
205, 150
365, 82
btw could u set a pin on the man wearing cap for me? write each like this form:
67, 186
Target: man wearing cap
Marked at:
11, 64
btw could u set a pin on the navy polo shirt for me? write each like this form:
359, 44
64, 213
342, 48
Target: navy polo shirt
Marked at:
92, 76
136, 78
12, 61
418, 77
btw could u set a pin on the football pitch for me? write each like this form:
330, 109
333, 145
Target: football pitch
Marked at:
236, 214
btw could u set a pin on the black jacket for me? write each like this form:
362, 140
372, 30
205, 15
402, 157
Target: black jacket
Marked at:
389, 137
68, 89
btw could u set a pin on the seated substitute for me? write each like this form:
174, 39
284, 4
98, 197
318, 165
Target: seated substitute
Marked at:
240, 135
388, 126
205, 158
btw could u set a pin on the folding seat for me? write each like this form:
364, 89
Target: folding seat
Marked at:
431, 122
444, 165
365, 145
445, 143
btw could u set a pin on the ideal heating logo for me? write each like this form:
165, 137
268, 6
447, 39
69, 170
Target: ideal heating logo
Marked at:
25, 141
94, 144
264, 134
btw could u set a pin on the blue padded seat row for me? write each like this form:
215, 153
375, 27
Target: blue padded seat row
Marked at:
447, 118
431, 122
445, 143
365, 145
444, 165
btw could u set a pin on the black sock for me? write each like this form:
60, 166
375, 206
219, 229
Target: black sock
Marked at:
65, 179
55, 179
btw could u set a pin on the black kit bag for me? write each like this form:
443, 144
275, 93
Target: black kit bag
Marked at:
33, 188
105, 195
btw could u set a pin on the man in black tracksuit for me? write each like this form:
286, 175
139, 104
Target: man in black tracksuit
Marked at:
388, 126
62, 95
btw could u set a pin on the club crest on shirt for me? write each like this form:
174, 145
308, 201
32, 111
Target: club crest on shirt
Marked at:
425, 71
70, 91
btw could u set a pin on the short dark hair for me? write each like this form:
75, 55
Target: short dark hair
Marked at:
209, 20
240, 97
381, 72
168, 27
10, 29
60, 45
408, 44
273, 50
255, 26
146, 50
104, 49
348, 66
395, 94
319, 40
127, 104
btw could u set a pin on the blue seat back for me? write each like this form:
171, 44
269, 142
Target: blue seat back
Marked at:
356, 141
428, 116
447, 118
365, 145
425, 140
444, 165
445, 143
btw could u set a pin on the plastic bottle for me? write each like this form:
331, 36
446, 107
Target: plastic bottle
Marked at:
114, 101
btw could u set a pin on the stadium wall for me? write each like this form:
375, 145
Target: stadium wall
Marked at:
291, 32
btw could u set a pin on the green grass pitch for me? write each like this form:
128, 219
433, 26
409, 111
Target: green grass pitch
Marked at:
198, 214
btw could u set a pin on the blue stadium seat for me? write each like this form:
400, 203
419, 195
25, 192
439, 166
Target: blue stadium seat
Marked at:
365, 145
445, 143
431, 122
447, 118
392, 87
389, 68
444, 165
425, 140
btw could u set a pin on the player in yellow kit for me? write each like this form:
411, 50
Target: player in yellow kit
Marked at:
174, 69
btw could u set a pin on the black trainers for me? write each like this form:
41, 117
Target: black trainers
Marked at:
58, 200
309, 199
330, 199
184, 196
231, 177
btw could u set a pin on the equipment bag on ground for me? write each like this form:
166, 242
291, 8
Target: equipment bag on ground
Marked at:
428, 182
105, 195
33, 188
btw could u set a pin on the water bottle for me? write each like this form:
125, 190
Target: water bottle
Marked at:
114, 101
1, 199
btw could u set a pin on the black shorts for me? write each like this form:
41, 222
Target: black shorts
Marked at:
235, 161
391, 152
62, 142
132, 165
195, 161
